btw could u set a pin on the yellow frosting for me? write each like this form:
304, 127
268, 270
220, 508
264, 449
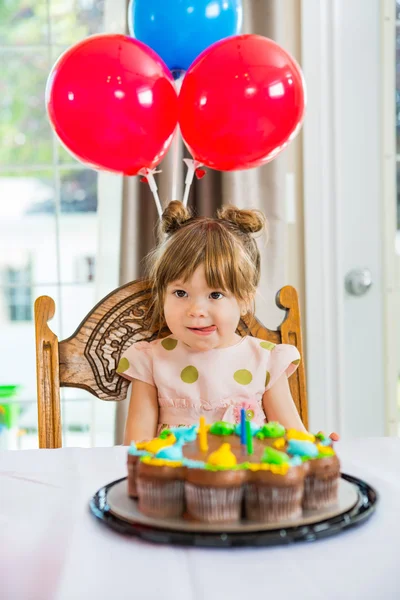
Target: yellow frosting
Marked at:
325, 450
276, 469
279, 443
161, 462
155, 445
223, 457
293, 434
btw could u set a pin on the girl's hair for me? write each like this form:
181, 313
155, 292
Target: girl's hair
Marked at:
224, 245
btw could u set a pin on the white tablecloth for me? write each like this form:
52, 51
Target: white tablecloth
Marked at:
52, 548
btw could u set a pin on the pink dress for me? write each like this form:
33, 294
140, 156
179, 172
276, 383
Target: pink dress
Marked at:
215, 384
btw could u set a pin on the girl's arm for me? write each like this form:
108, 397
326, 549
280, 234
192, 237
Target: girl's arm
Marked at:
279, 406
142, 419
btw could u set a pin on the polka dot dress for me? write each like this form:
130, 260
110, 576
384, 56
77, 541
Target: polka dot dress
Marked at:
215, 384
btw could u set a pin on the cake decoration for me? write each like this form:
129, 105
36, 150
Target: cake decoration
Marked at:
253, 428
155, 445
222, 428
134, 451
160, 462
173, 452
302, 448
293, 434
203, 441
271, 430
274, 457
209, 473
223, 457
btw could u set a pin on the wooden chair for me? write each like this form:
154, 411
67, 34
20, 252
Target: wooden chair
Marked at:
89, 358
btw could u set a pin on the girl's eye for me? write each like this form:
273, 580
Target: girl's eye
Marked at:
180, 293
216, 295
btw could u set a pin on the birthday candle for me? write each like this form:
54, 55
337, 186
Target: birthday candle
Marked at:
249, 438
243, 426
203, 435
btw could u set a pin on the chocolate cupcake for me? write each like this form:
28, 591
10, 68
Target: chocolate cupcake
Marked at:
134, 455
274, 490
321, 484
139, 450
160, 483
214, 490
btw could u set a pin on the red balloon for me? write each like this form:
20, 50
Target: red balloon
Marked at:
112, 102
241, 103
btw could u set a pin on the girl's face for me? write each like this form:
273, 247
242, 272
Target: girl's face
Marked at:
200, 317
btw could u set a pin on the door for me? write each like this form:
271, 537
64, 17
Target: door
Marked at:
350, 215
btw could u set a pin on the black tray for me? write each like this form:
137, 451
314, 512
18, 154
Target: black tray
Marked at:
363, 509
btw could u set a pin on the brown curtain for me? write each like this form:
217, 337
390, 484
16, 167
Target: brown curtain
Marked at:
262, 188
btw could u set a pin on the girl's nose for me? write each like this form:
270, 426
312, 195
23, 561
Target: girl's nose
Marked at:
197, 309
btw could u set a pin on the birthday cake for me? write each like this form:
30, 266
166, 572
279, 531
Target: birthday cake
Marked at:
226, 472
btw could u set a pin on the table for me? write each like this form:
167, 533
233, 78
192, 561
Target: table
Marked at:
52, 548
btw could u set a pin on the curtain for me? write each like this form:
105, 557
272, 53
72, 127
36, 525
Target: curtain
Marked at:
262, 188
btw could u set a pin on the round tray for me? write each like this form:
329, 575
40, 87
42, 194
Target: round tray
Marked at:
357, 501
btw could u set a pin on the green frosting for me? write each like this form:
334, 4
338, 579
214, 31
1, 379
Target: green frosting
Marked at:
321, 436
271, 430
222, 428
274, 457
164, 434
241, 467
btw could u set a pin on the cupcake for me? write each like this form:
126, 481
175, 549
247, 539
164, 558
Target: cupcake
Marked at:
214, 490
137, 451
134, 455
274, 491
321, 484
160, 483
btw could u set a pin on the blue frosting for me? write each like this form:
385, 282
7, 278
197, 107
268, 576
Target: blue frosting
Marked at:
253, 428
194, 464
302, 448
326, 442
133, 451
173, 452
295, 461
186, 434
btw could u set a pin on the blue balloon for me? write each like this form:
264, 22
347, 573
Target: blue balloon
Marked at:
179, 30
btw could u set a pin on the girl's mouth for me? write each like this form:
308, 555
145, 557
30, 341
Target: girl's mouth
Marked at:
203, 330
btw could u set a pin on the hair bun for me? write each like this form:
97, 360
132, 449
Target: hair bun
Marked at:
247, 220
174, 216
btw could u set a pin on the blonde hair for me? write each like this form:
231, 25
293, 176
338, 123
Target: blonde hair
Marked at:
224, 245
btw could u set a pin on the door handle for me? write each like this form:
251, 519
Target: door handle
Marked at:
358, 281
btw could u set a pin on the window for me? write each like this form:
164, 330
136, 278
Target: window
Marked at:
48, 210
18, 293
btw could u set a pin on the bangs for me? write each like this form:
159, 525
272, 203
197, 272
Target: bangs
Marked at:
227, 267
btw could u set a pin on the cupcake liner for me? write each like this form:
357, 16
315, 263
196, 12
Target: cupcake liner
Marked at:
161, 498
268, 504
320, 493
213, 505
132, 473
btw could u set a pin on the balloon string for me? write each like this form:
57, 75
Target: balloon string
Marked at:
192, 165
153, 187
188, 183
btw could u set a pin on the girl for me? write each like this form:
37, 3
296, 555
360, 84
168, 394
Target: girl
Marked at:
204, 276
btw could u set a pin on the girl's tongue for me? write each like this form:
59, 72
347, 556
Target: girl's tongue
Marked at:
204, 329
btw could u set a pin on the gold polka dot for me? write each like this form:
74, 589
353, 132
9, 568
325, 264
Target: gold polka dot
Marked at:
243, 376
250, 414
189, 374
267, 378
169, 344
296, 362
267, 345
123, 365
